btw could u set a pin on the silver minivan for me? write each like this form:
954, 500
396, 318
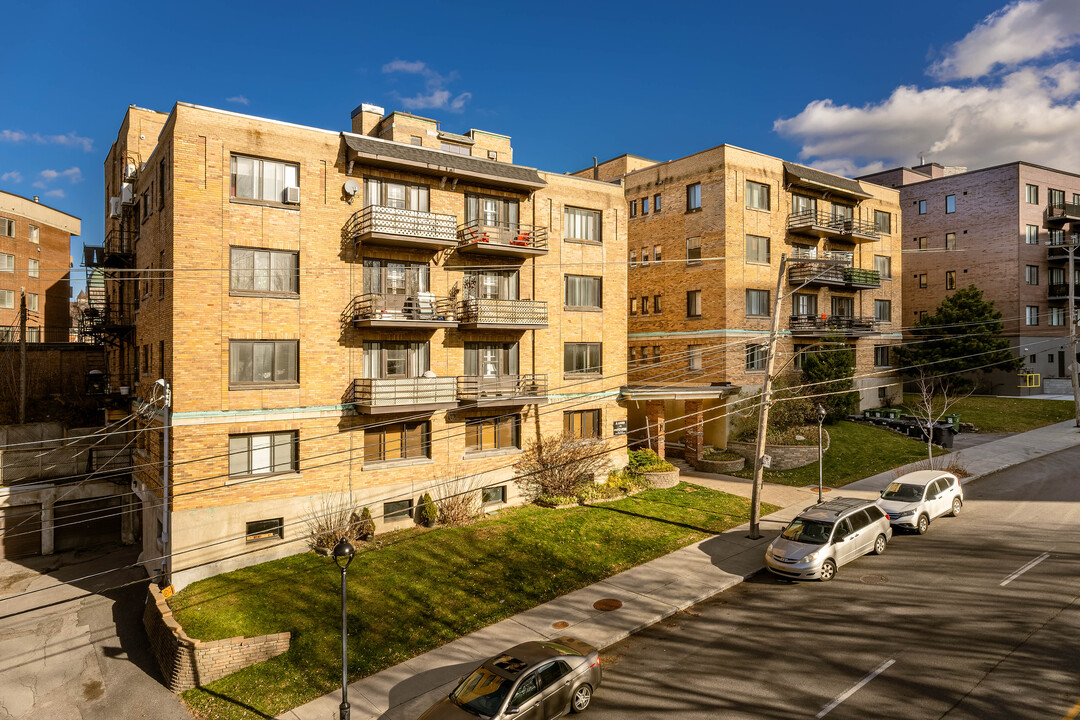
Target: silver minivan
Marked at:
827, 536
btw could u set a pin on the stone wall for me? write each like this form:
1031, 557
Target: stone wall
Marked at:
784, 457
186, 663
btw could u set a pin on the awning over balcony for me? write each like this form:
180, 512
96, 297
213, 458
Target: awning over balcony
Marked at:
383, 153
824, 182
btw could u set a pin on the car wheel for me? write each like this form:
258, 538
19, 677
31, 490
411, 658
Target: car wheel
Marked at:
924, 525
880, 544
957, 503
828, 570
582, 698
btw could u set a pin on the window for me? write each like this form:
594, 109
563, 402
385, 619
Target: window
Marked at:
950, 204
693, 355
656, 303
881, 356
693, 251
656, 251
7, 227
1056, 316
1055, 276
147, 207
950, 279
883, 310
33, 267
493, 495
581, 224
397, 441
644, 256
843, 212
757, 249
1031, 236
922, 315
922, 280
32, 302
883, 221
484, 434
803, 205
633, 306
1032, 359
633, 258
656, 202
1031, 193
950, 242
644, 206
693, 303
583, 291
921, 243
272, 529
757, 303
633, 208
843, 306
35, 234
397, 510
631, 354
491, 359
799, 352
804, 304
883, 266
259, 362
263, 454
7, 299
395, 359
582, 424
455, 148
693, 197
7, 263
1057, 236
261, 271
582, 357
416, 140
161, 274
161, 358
757, 195
256, 179
756, 357
161, 184
1031, 274
656, 348
922, 207
404, 196
493, 155
1032, 315
644, 304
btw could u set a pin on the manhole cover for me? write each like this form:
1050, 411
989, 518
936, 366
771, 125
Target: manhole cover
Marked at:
873, 580
607, 604
560, 625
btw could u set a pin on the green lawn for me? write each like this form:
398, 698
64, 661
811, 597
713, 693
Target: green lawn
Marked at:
423, 588
999, 414
856, 451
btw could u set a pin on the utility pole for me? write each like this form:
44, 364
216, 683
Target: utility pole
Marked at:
166, 544
22, 356
1072, 331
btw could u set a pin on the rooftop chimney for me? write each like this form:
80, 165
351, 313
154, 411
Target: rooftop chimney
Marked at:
365, 118
35, 198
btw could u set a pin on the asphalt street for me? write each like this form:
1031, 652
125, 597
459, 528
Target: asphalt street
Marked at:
979, 618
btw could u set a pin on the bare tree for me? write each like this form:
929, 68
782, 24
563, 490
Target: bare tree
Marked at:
559, 465
457, 495
936, 396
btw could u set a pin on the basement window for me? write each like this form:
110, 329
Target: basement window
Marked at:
260, 530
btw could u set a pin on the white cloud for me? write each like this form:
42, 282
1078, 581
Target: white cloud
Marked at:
12, 136
68, 140
73, 174
436, 94
238, 99
14, 177
1028, 112
57, 193
1018, 32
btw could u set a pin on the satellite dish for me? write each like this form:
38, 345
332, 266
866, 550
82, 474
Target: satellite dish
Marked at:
351, 188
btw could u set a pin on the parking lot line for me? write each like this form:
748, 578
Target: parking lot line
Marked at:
854, 688
1024, 569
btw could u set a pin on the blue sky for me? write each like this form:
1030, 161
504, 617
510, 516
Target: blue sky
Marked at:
854, 85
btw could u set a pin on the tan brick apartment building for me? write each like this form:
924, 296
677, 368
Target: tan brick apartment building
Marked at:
1007, 230
348, 314
35, 255
706, 235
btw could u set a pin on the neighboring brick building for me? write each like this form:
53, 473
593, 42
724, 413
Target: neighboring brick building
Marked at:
35, 254
991, 228
350, 315
706, 233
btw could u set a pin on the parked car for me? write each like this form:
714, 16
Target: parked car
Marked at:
826, 536
921, 496
539, 680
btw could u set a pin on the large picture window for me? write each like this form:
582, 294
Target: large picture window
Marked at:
263, 271
583, 291
582, 358
262, 362
393, 359
262, 454
398, 441
390, 193
581, 224
256, 179
582, 424
485, 434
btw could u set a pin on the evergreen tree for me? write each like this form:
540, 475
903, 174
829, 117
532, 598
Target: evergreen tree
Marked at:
828, 372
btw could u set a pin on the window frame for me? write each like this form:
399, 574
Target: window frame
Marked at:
883, 227
1029, 192
1030, 316
693, 197
757, 357
1031, 274
693, 300
922, 207
882, 350
883, 303
950, 204
379, 433
656, 202
695, 248
9, 224
589, 348
1031, 234
485, 495
599, 282
761, 190
883, 269
755, 258
950, 241
270, 253
279, 202
598, 216
950, 279
589, 419
477, 426
292, 441
272, 529
396, 515
241, 384
8, 266
758, 293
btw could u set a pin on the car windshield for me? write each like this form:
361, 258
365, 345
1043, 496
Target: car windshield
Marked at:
813, 532
903, 492
483, 692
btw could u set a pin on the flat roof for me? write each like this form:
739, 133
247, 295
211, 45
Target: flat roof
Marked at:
39, 211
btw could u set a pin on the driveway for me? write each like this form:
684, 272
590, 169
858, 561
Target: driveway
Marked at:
78, 650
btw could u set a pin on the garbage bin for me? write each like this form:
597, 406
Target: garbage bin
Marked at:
943, 435
953, 420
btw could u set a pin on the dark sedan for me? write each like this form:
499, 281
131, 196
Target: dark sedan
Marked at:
540, 680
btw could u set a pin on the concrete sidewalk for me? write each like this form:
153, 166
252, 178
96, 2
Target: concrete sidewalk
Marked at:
648, 593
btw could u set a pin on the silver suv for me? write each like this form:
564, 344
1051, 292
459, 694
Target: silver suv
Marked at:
827, 535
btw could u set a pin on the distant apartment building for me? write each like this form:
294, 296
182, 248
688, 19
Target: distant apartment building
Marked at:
1008, 230
35, 257
360, 316
706, 235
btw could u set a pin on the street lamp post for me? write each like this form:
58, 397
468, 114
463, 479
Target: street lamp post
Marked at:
343, 555
820, 472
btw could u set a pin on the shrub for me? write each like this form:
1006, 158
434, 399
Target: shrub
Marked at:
426, 512
716, 454
363, 525
559, 465
556, 500
642, 461
330, 520
458, 499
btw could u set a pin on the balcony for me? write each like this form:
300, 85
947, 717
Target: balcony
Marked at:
502, 391
817, 325
107, 322
1062, 212
502, 239
390, 310
1060, 250
822, 225
483, 313
1061, 291
397, 227
377, 396
809, 269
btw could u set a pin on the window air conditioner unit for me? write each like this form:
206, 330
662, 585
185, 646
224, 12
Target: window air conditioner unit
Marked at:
114, 207
127, 194
129, 170
292, 195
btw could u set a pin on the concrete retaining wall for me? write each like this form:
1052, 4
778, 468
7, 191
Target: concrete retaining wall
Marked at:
721, 467
188, 663
784, 457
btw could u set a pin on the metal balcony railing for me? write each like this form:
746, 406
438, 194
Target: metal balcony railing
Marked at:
473, 388
483, 311
843, 324
1060, 212
389, 393
480, 235
1060, 291
379, 220
825, 225
400, 308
